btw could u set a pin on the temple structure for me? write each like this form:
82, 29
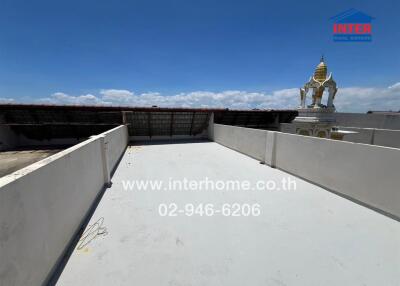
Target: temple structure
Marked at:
318, 83
316, 119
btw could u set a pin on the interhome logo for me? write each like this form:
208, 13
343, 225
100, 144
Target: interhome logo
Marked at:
352, 26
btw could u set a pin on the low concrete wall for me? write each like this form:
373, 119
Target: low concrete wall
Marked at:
381, 137
368, 120
43, 205
366, 173
385, 137
369, 174
363, 135
248, 141
116, 141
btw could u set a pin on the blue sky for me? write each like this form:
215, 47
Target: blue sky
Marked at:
237, 54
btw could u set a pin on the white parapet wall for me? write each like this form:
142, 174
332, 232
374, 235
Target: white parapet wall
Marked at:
368, 120
245, 140
43, 205
116, 141
366, 173
374, 136
385, 137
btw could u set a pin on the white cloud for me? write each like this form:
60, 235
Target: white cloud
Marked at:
119, 95
395, 86
348, 99
361, 99
62, 98
6, 100
226, 99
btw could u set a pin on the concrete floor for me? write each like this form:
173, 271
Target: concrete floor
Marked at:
304, 237
11, 161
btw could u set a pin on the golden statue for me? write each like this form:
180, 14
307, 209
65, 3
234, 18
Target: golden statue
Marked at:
318, 82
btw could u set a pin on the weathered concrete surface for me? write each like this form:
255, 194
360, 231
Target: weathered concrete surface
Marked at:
11, 161
304, 237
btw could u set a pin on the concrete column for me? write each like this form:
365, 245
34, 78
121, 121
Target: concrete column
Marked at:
210, 129
104, 159
373, 137
270, 151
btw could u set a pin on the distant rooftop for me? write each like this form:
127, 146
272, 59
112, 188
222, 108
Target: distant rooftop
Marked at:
81, 121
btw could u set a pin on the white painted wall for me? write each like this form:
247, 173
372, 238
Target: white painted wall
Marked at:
368, 120
270, 153
248, 141
381, 137
367, 173
385, 137
374, 136
116, 141
363, 135
44, 204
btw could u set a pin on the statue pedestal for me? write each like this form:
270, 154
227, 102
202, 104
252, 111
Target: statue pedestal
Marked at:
316, 122
316, 115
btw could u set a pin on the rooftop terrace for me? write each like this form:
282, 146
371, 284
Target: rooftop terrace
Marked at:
74, 218
307, 236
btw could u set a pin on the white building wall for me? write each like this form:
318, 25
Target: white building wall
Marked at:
116, 141
368, 120
43, 205
248, 141
366, 173
362, 135
381, 137
389, 138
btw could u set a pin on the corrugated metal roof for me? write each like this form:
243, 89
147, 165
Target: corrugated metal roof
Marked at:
62, 121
